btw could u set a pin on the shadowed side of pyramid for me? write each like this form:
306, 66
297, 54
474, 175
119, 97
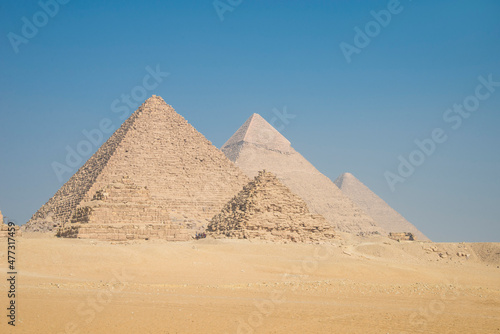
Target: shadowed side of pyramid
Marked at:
157, 149
376, 207
257, 146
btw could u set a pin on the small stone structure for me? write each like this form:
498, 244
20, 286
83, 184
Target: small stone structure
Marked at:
266, 209
4, 228
402, 236
123, 211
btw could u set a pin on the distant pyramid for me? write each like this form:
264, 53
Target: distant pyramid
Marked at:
257, 145
266, 209
158, 149
377, 208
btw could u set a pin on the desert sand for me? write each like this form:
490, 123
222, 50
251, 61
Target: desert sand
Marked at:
351, 285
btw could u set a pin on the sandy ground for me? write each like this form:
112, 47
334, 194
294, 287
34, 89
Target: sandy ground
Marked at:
356, 285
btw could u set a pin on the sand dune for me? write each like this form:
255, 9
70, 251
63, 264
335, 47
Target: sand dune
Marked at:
356, 285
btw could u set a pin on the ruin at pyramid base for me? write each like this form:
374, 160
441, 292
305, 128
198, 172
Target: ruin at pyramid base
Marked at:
312, 234
267, 210
4, 229
124, 232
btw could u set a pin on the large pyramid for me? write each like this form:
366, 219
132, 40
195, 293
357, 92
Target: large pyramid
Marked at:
266, 209
159, 150
257, 145
377, 208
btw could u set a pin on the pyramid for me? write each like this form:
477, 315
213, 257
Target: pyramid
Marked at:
377, 208
158, 149
257, 145
266, 209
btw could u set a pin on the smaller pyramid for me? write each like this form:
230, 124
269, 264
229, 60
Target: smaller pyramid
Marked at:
122, 211
385, 216
266, 209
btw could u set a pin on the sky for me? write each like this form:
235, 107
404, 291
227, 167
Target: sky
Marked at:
362, 81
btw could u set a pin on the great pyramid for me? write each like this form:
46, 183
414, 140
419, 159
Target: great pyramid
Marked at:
257, 145
384, 215
266, 209
157, 149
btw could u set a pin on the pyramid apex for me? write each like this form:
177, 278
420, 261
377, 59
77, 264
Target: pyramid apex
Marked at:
256, 130
155, 101
155, 98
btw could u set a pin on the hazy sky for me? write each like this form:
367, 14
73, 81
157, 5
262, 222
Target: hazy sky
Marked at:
361, 115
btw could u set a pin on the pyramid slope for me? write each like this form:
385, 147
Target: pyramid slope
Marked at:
318, 191
266, 209
376, 207
159, 150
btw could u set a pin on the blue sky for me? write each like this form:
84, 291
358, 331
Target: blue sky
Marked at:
264, 55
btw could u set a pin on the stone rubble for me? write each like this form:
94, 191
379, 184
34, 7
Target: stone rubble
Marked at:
407, 236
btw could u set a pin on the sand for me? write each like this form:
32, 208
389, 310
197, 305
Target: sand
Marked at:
356, 285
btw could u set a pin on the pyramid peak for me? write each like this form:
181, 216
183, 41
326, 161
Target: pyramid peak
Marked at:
155, 102
256, 116
256, 130
155, 99
344, 176
348, 176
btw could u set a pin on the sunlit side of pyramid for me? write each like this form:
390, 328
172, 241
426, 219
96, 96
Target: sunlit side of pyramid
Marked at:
158, 149
257, 145
377, 208
267, 210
